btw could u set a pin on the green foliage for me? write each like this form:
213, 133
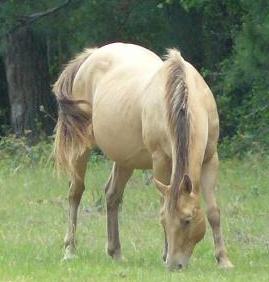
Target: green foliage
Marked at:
16, 153
244, 102
197, 4
226, 40
14, 12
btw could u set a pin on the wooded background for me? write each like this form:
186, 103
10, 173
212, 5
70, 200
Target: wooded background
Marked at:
226, 40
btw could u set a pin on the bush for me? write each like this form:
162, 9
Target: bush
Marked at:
16, 153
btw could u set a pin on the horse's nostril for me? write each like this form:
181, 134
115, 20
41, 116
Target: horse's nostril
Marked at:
179, 266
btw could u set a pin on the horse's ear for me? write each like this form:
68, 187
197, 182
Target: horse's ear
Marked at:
161, 187
186, 184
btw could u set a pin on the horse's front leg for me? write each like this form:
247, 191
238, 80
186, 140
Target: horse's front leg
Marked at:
162, 172
165, 248
114, 191
208, 182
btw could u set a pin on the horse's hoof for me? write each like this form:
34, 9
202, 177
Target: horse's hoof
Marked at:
116, 255
225, 264
69, 257
69, 254
119, 258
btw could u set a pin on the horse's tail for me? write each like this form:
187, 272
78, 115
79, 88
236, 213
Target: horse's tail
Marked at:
73, 129
178, 116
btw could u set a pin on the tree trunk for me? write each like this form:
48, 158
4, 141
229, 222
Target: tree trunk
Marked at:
4, 103
28, 81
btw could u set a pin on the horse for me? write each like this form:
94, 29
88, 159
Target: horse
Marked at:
143, 112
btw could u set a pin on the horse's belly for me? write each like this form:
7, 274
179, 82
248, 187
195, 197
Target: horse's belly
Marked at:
118, 131
122, 149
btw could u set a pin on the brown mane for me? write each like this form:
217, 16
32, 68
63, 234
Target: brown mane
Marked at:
178, 118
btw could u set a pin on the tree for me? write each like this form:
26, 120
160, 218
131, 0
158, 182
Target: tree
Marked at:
26, 64
245, 83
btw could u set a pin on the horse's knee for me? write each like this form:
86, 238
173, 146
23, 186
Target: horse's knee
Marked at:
213, 215
113, 198
76, 190
112, 201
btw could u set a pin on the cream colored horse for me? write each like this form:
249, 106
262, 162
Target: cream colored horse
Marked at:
143, 113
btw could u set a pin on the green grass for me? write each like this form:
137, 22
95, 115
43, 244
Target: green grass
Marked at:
33, 213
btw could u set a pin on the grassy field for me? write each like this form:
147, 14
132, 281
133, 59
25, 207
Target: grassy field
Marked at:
33, 213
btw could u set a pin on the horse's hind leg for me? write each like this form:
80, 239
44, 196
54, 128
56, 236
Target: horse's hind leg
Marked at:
75, 193
114, 191
208, 182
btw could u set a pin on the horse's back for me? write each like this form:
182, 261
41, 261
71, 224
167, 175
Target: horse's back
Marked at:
110, 61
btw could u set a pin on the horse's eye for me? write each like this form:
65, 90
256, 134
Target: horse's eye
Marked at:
185, 222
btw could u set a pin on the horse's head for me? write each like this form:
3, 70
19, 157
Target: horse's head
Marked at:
184, 224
